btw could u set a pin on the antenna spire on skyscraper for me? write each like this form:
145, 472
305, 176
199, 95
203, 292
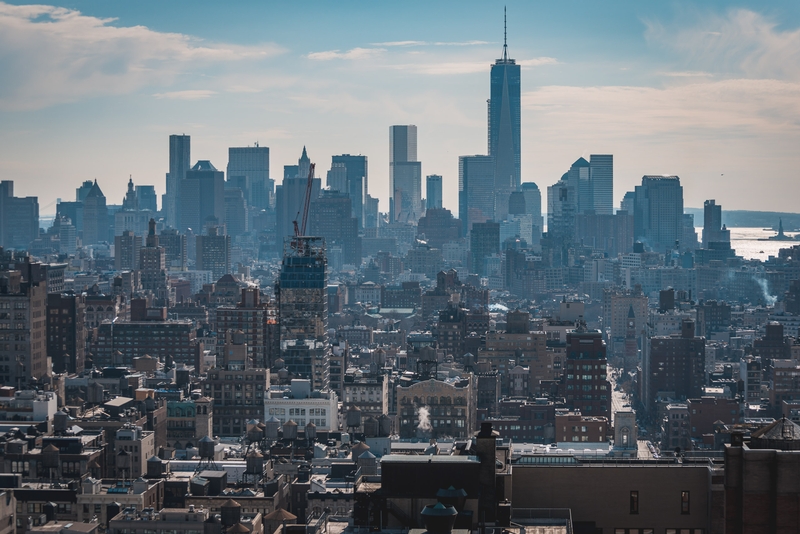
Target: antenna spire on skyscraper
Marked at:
505, 34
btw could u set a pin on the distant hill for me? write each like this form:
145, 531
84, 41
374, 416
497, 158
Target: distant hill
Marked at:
751, 219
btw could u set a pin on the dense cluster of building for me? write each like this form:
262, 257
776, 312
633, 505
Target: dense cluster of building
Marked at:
209, 367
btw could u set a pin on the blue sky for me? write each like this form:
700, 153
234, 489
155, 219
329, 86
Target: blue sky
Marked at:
708, 91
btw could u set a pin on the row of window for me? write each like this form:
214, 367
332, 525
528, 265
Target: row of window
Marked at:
685, 505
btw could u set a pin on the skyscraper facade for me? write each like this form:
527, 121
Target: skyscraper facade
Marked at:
601, 174
303, 289
405, 175
147, 198
290, 195
433, 192
475, 190
504, 129
179, 163
202, 197
658, 212
713, 231
248, 167
19, 218
356, 182
96, 227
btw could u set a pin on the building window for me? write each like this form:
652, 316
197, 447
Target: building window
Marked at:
684, 502
634, 504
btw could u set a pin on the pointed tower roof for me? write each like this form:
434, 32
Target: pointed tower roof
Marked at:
95, 191
304, 156
631, 315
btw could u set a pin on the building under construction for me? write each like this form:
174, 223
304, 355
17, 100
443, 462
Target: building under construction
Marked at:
302, 289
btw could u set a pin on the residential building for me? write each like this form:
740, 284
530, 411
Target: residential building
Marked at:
431, 408
236, 387
300, 403
676, 368
23, 326
66, 331
586, 384
214, 252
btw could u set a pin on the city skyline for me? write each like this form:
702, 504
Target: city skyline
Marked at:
719, 118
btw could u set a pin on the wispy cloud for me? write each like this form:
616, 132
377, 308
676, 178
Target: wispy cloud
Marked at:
737, 43
53, 55
354, 53
192, 94
444, 68
431, 43
537, 61
687, 74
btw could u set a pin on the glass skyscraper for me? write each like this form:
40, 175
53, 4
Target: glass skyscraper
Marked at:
405, 175
504, 129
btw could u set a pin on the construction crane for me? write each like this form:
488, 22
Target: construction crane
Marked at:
302, 213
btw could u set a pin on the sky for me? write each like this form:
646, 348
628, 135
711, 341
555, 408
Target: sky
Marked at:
707, 91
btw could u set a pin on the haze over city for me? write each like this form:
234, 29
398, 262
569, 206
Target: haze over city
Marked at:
709, 92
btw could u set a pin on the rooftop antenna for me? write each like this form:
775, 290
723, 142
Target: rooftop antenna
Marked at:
505, 34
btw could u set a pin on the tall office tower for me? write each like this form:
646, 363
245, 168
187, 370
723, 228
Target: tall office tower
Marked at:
82, 191
433, 192
405, 175
66, 331
337, 178
658, 212
586, 376
504, 129
484, 242
126, 251
249, 166
179, 163
533, 207
627, 202
601, 176
153, 265
713, 230
371, 212
562, 207
475, 190
303, 289
357, 182
174, 244
214, 252
258, 320
95, 216
202, 197
331, 218
19, 218
235, 212
148, 200
24, 294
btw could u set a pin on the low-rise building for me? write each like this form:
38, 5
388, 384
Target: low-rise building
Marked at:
300, 404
